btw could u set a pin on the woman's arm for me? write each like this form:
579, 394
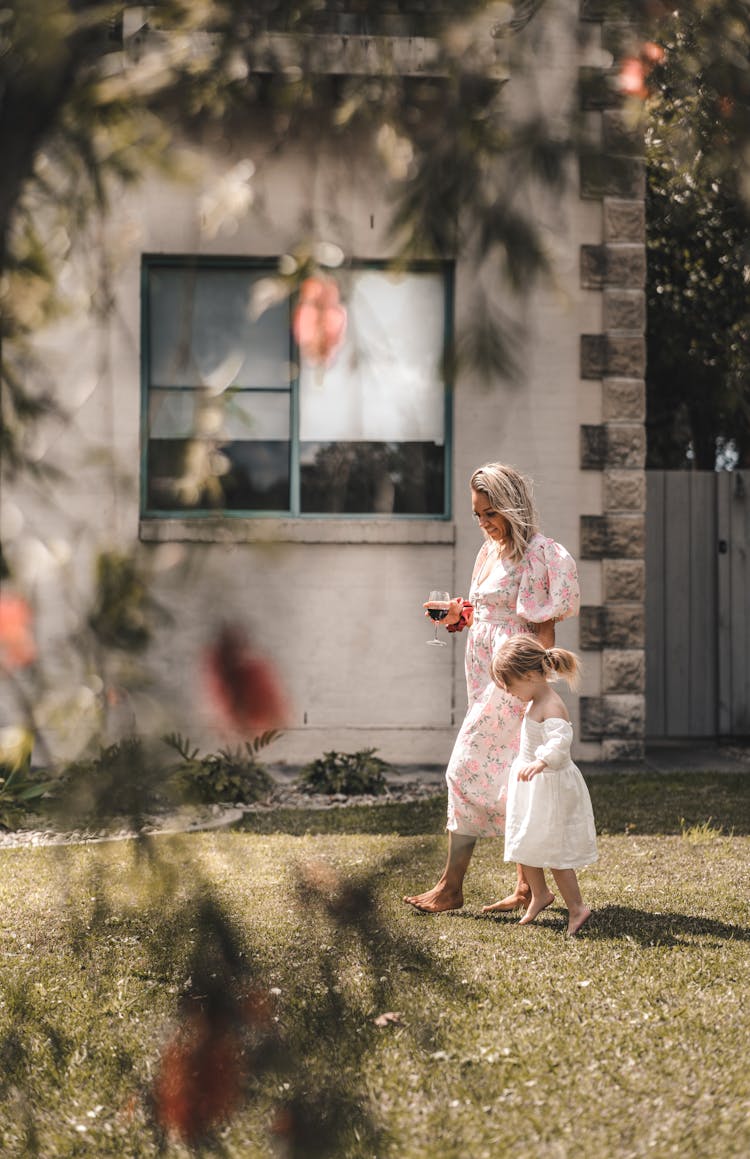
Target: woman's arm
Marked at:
545, 633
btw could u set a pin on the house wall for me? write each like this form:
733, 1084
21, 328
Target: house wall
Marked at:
337, 603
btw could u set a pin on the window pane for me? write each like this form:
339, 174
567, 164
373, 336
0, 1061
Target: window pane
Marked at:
257, 415
386, 384
259, 477
194, 474
180, 414
171, 414
372, 478
202, 334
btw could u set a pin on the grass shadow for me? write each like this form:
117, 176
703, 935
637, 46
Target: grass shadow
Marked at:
665, 804
650, 928
611, 922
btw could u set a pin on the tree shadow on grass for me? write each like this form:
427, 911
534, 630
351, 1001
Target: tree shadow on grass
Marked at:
293, 1057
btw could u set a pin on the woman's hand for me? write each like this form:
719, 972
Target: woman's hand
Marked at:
528, 772
454, 611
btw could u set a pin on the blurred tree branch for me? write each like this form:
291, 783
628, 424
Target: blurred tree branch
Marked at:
90, 98
85, 107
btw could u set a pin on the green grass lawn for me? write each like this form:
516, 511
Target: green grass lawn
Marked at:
629, 1041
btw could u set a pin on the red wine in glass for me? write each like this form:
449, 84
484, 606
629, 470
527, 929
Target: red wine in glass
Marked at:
438, 605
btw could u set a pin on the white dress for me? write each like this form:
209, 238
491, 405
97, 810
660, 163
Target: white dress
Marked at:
549, 820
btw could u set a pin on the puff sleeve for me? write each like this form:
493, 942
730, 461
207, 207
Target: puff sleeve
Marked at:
558, 736
548, 588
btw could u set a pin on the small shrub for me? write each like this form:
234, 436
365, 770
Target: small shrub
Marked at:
351, 774
20, 788
227, 776
124, 779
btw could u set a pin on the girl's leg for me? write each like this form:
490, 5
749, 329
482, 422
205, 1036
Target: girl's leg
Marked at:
541, 894
519, 899
447, 893
578, 911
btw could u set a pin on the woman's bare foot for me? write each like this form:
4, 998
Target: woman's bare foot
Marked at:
519, 899
437, 900
536, 905
577, 920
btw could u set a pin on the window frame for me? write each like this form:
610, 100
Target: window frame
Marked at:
269, 265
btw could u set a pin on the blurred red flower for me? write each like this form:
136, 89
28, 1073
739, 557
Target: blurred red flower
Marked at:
725, 107
651, 52
319, 320
200, 1079
17, 647
632, 78
244, 687
634, 70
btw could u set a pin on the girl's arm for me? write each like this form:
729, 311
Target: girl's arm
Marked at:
554, 754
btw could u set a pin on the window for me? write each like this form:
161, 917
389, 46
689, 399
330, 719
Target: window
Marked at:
234, 421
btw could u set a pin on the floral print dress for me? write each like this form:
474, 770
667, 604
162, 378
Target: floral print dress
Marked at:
507, 597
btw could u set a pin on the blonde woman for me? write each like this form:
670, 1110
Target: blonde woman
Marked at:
522, 582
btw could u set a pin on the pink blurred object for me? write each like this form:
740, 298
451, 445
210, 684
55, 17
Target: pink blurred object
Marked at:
632, 80
634, 70
17, 646
244, 687
652, 53
200, 1078
319, 320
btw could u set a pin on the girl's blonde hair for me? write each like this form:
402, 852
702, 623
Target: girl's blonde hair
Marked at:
512, 496
524, 655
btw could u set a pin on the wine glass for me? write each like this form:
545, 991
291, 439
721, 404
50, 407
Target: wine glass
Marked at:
438, 604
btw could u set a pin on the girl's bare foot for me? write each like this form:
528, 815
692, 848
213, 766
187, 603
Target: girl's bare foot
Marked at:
519, 899
577, 920
437, 900
536, 905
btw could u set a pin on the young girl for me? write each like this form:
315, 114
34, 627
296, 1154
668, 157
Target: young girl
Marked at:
549, 820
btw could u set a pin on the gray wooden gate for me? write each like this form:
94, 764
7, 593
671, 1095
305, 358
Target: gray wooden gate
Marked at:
698, 604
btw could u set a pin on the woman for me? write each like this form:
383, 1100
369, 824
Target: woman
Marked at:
522, 582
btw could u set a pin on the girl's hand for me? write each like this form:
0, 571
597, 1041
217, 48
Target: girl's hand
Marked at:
528, 772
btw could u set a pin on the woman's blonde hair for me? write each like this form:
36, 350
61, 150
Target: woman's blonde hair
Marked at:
524, 655
511, 496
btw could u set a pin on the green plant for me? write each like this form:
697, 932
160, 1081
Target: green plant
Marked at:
225, 776
702, 833
347, 773
19, 788
124, 779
